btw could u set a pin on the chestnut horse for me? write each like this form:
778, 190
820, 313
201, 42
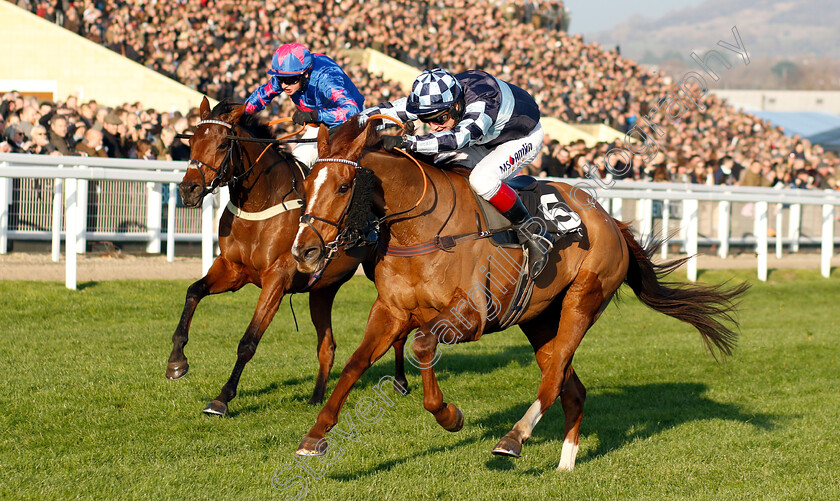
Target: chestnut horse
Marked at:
454, 294
231, 148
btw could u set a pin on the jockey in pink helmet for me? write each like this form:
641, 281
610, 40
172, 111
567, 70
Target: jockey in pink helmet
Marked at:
317, 85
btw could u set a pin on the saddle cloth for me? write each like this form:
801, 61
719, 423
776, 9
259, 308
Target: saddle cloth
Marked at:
542, 200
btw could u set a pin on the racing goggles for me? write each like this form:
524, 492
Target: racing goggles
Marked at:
438, 118
290, 80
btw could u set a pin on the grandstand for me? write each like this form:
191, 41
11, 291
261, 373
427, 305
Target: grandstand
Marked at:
221, 49
590, 97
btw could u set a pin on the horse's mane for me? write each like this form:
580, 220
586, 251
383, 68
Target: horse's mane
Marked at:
247, 121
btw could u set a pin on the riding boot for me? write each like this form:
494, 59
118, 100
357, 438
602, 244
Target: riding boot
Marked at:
531, 233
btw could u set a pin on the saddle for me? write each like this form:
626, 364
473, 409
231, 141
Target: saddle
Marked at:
543, 201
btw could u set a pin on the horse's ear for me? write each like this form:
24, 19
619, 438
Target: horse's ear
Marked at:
204, 109
234, 116
358, 144
323, 141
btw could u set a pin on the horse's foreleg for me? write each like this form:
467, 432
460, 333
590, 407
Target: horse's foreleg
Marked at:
220, 278
320, 311
449, 416
270, 297
384, 327
399, 367
448, 329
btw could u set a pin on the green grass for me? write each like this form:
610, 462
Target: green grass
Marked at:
86, 412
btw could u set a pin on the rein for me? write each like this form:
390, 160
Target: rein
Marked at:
221, 171
344, 237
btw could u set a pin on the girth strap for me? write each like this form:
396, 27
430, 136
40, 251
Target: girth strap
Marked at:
446, 243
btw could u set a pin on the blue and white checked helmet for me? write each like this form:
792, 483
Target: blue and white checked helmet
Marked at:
434, 90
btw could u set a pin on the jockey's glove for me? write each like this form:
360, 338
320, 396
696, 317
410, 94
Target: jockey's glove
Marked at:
391, 142
305, 117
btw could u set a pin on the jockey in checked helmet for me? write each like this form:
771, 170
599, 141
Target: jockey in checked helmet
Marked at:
317, 85
482, 123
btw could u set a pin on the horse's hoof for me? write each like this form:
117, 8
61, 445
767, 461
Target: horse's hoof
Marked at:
508, 446
177, 370
459, 421
311, 447
216, 408
315, 400
401, 387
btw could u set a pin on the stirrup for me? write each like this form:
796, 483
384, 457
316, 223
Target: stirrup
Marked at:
539, 249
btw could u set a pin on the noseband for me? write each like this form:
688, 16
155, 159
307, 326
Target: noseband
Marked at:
344, 236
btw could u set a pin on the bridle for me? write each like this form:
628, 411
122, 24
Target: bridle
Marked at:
348, 236
235, 149
221, 172
344, 236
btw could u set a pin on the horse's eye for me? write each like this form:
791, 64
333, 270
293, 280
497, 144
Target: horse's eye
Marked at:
344, 188
222, 147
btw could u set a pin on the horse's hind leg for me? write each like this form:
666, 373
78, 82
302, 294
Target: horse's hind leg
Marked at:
572, 398
540, 332
581, 306
220, 278
270, 297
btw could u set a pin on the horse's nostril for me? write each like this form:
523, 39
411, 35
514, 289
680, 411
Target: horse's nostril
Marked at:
311, 254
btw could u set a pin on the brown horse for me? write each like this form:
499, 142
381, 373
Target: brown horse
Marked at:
233, 149
454, 294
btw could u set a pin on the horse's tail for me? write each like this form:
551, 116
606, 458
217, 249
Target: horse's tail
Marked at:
708, 308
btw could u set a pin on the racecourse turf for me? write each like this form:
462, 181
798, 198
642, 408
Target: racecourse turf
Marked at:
85, 410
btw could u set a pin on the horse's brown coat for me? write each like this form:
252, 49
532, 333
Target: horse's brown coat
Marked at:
424, 292
256, 252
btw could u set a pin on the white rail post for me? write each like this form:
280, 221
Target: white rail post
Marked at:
170, 223
5, 203
643, 219
778, 231
81, 214
761, 238
827, 248
154, 212
58, 195
70, 231
689, 221
666, 221
795, 228
206, 233
616, 208
724, 218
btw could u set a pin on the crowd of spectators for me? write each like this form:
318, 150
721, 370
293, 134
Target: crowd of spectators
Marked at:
222, 48
29, 125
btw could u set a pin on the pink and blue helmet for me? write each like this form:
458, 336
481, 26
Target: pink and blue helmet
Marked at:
289, 60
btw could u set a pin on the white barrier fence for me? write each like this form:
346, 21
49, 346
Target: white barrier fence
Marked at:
71, 177
612, 194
